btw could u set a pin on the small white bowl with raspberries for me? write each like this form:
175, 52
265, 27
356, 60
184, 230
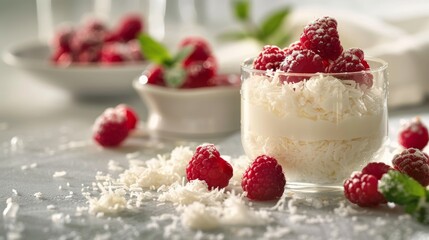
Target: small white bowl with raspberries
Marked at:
87, 61
184, 94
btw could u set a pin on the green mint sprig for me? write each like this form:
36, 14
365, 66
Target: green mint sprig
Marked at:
265, 33
401, 189
158, 54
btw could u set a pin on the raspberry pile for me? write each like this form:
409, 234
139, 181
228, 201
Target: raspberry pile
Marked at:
362, 187
93, 42
262, 181
197, 69
113, 126
318, 50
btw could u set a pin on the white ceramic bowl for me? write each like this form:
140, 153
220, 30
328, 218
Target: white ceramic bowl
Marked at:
92, 80
191, 112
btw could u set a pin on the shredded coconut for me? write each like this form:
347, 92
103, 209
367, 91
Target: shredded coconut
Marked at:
59, 174
110, 202
114, 166
198, 216
51, 207
11, 209
38, 195
158, 171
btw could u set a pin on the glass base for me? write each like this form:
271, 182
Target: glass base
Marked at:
314, 189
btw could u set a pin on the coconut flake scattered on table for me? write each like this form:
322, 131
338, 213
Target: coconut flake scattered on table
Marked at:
162, 181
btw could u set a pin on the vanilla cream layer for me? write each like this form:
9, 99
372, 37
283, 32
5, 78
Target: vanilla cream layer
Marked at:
262, 122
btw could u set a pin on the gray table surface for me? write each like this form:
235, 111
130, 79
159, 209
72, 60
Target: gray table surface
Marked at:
42, 138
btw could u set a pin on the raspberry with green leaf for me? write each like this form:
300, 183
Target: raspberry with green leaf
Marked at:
192, 66
403, 190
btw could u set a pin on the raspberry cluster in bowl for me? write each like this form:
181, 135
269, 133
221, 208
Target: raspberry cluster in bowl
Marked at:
94, 42
198, 69
318, 50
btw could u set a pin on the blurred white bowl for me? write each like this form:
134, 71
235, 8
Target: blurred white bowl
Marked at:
194, 112
91, 80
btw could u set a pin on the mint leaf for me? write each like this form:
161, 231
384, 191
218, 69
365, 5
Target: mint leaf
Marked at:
174, 77
182, 54
242, 9
272, 23
154, 51
400, 188
282, 40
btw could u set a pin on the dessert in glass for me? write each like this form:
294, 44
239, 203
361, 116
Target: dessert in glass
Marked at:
321, 114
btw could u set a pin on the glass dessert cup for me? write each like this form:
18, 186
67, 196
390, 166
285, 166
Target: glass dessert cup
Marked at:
320, 127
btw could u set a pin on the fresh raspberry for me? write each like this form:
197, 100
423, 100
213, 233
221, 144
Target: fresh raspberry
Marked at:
155, 76
110, 37
63, 39
293, 47
376, 169
301, 61
110, 129
413, 163
84, 40
207, 165
129, 28
352, 62
130, 114
134, 50
201, 50
199, 74
269, 59
362, 189
321, 36
414, 134
264, 179
111, 53
90, 55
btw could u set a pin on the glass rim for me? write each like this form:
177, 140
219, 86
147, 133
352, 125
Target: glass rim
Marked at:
245, 65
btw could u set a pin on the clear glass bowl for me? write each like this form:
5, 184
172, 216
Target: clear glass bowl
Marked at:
320, 127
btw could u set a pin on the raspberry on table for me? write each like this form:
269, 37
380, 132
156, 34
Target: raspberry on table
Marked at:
207, 165
199, 73
352, 63
264, 179
321, 36
110, 128
201, 50
301, 61
130, 115
414, 163
269, 58
376, 169
414, 134
362, 189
